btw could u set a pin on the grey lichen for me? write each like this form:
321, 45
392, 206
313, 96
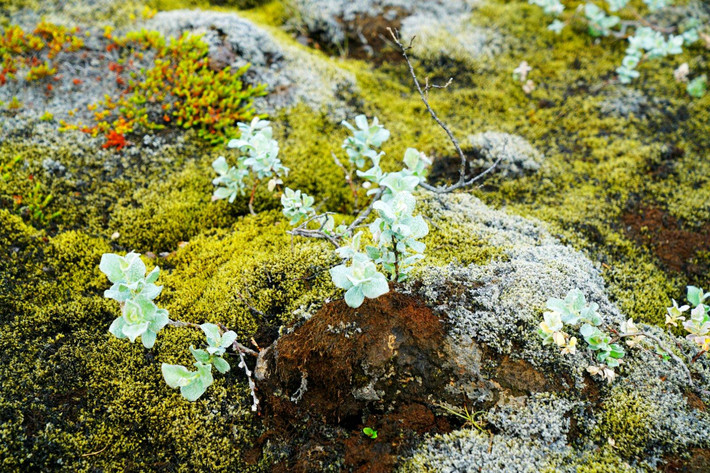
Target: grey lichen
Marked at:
517, 156
501, 303
543, 416
469, 450
650, 412
450, 34
443, 28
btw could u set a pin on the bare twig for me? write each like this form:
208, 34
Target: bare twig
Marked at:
697, 357
423, 93
428, 86
365, 213
94, 453
180, 323
304, 232
395, 277
251, 198
241, 349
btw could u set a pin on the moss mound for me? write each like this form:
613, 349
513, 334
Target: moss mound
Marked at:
623, 182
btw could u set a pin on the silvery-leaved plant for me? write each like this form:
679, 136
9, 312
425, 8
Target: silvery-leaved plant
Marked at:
646, 41
127, 273
140, 317
365, 136
600, 24
192, 384
135, 291
600, 342
297, 206
230, 182
417, 163
574, 312
697, 87
550, 7
217, 345
395, 232
698, 323
248, 131
359, 280
258, 158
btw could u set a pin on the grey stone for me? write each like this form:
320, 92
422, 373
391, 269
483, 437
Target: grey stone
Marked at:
443, 27
517, 155
499, 305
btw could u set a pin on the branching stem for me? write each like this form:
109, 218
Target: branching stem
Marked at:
424, 94
251, 198
238, 347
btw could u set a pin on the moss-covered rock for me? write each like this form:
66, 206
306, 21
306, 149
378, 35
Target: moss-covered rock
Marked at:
623, 183
549, 412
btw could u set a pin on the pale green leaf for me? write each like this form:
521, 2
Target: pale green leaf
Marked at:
221, 365
111, 266
148, 338
176, 375
228, 338
354, 297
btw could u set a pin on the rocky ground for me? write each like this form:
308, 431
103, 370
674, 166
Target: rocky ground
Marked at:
107, 135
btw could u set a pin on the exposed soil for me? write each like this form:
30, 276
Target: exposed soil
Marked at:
675, 246
376, 366
446, 169
386, 365
699, 462
367, 38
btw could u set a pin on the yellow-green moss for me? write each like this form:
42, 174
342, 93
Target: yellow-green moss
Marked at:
94, 394
69, 389
448, 242
596, 163
625, 420
219, 274
21, 249
604, 460
158, 217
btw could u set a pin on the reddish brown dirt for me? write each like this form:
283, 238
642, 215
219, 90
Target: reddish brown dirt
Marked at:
393, 342
699, 462
385, 365
675, 246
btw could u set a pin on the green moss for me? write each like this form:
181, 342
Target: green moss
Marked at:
217, 276
626, 420
72, 257
449, 241
307, 139
20, 250
597, 162
94, 394
604, 460
158, 217
69, 389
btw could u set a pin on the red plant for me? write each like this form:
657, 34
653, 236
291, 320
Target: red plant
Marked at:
116, 140
77, 81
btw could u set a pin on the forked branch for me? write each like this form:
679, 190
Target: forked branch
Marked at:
424, 94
